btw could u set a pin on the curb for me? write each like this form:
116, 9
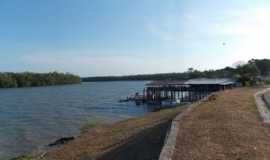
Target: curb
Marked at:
262, 106
170, 143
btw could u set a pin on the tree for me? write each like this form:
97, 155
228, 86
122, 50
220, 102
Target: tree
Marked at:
27, 79
263, 65
247, 74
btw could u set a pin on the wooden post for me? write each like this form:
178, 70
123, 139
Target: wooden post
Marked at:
182, 95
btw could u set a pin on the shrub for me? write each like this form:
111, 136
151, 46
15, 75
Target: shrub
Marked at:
267, 81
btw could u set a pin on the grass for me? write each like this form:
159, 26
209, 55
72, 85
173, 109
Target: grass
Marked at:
90, 125
267, 81
26, 157
228, 128
97, 139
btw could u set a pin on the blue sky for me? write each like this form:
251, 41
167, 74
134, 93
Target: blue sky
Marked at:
119, 37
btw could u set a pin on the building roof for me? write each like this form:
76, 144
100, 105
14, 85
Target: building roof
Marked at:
203, 81
198, 81
165, 83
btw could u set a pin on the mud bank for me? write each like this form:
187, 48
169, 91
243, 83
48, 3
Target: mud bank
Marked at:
146, 145
133, 139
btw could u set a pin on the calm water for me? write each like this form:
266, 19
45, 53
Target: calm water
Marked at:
33, 117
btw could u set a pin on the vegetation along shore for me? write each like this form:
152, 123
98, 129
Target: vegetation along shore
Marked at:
29, 79
244, 73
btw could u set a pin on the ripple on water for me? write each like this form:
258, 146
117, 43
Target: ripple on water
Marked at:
34, 117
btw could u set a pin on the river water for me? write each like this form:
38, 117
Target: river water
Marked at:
31, 118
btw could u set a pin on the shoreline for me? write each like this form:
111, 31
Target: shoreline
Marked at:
49, 113
29, 87
117, 137
147, 137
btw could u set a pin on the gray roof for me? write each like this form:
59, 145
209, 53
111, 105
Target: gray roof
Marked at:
166, 83
219, 81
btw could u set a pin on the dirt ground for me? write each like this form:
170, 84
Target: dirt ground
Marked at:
227, 128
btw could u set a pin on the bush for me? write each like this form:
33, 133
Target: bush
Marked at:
25, 157
267, 81
27, 79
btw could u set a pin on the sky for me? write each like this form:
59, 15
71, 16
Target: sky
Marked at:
123, 37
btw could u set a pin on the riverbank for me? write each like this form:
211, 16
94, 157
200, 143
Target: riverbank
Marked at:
137, 138
227, 128
31, 118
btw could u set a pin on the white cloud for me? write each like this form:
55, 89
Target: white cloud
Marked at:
246, 32
252, 31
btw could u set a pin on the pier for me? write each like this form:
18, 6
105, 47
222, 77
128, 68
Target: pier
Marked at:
158, 92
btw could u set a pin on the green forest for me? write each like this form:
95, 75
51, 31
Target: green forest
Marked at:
28, 79
245, 73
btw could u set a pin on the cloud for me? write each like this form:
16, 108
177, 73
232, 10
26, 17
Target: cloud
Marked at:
245, 30
252, 31
243, 23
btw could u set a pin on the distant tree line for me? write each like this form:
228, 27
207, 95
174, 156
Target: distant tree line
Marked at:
28, 79
247, 74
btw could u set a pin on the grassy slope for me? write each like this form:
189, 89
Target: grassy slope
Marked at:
102, 139
228, 128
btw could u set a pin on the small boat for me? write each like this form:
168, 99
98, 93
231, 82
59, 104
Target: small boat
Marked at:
127, 99
123, 100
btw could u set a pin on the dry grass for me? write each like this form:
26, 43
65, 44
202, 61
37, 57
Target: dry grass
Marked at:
228, 128
103, 139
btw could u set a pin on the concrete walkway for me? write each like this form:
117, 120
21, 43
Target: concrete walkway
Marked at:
267, 98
